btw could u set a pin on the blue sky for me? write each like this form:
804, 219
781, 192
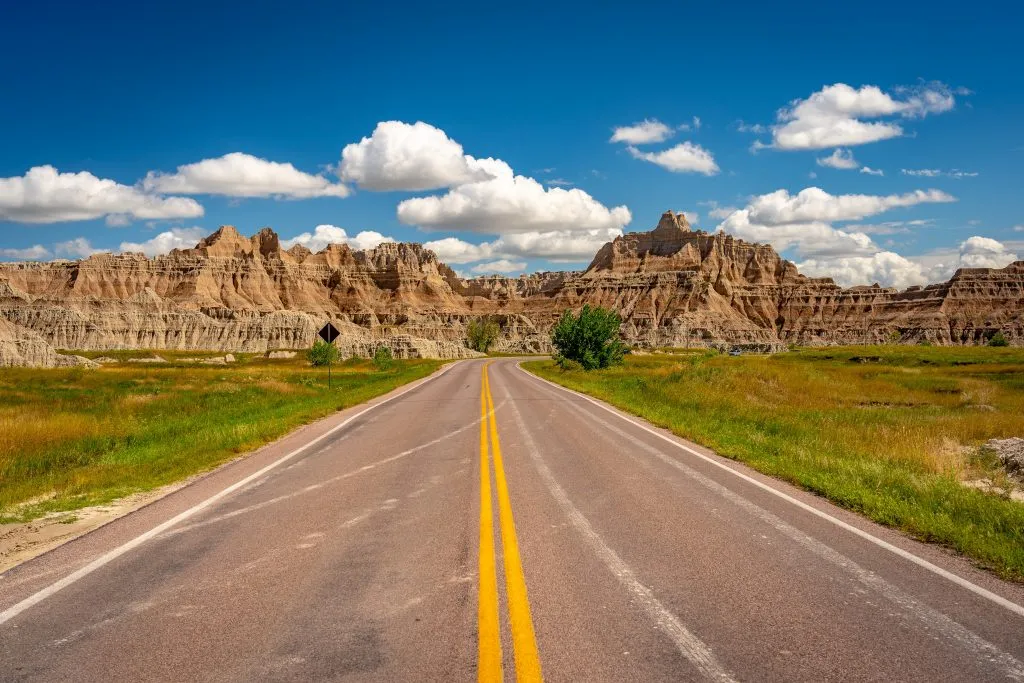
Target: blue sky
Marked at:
130, 89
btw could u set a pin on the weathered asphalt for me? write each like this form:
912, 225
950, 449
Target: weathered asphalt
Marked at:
358, 557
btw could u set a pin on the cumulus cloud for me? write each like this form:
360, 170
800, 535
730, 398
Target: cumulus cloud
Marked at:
34, 253
984, 252
403, 156
755, 128
884, 267
840, 158
76, 248
815, 204
45, 195
559, 246
685, 157
643, 133
509, 203
842, 116
323, 235
499, 266
163, 243
871, 171
243, 175
935, 173
803, 223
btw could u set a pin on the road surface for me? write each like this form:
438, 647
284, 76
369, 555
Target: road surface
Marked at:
594, 548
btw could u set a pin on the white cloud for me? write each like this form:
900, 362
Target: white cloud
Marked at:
163, 243
510, 203
884, 267
984, 252
642, 133
685, 157
803, 223
694, 125
814, 204
33, 253
402, 156
1018, 228
243, 175
560, 246
559, 182
755, 128
840, 158
44, 195
834, 116
76, 248
934, 173
872, 171
323, 235
499, 266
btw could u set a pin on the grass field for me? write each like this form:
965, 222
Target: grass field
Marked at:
891, 432
76, 437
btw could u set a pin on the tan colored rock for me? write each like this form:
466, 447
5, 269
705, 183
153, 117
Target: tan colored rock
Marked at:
673, 286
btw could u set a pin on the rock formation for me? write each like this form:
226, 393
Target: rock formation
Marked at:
673, 286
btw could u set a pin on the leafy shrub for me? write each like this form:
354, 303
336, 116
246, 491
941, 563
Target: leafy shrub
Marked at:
322, 353
590, 338
925, 342
998, 339
482, 333
382, 358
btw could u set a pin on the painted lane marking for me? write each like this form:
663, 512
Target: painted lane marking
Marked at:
905, 554
689, 645
933, 620
488, 634
112, 555
524, 639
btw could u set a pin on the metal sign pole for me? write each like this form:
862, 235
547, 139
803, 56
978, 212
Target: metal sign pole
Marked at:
328, 372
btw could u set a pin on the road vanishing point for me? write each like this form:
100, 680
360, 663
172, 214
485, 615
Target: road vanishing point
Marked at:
486, 524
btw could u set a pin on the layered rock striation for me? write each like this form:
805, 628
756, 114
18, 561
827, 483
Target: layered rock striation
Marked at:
673, 286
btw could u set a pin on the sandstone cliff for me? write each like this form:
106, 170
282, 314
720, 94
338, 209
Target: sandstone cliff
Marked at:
674, 286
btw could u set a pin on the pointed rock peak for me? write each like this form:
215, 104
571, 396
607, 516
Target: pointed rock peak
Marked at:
227, 241
266, 242
672, 224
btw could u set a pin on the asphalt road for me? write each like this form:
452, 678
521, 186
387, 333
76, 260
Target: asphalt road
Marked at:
600, 550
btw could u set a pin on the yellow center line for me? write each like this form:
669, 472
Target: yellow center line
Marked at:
488, 634
524, 641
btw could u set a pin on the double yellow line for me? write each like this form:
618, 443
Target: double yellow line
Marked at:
524, 642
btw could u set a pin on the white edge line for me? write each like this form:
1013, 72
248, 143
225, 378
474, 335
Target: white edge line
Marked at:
905, 554
111, 555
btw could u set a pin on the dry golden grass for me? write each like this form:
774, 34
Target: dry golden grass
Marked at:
75, 437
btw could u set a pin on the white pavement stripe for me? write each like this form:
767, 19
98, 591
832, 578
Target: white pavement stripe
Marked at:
112, 555
933, 620
688, 644
905, 554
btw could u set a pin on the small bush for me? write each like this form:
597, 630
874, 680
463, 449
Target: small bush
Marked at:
383, 358
482, 333
590, 338
322, 353
925, 342
998, 339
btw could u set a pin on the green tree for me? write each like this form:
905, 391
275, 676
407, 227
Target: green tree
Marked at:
998, 339
482, 333
322, 353
383, 358
590, 338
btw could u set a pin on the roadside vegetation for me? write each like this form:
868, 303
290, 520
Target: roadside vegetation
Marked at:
71, 438
892, 432
588, 340
481, 334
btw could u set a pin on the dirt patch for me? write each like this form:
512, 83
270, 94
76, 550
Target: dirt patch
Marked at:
23, 541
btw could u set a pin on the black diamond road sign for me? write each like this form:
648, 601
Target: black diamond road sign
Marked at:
328, 333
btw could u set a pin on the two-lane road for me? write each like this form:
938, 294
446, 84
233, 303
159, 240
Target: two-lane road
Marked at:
486, 523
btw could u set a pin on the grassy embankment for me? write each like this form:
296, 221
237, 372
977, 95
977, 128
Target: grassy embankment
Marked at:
72, 437
892, 437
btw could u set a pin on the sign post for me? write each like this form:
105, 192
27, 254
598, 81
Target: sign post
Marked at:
328, 333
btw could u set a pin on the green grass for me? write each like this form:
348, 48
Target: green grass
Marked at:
890, 432
76, 437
